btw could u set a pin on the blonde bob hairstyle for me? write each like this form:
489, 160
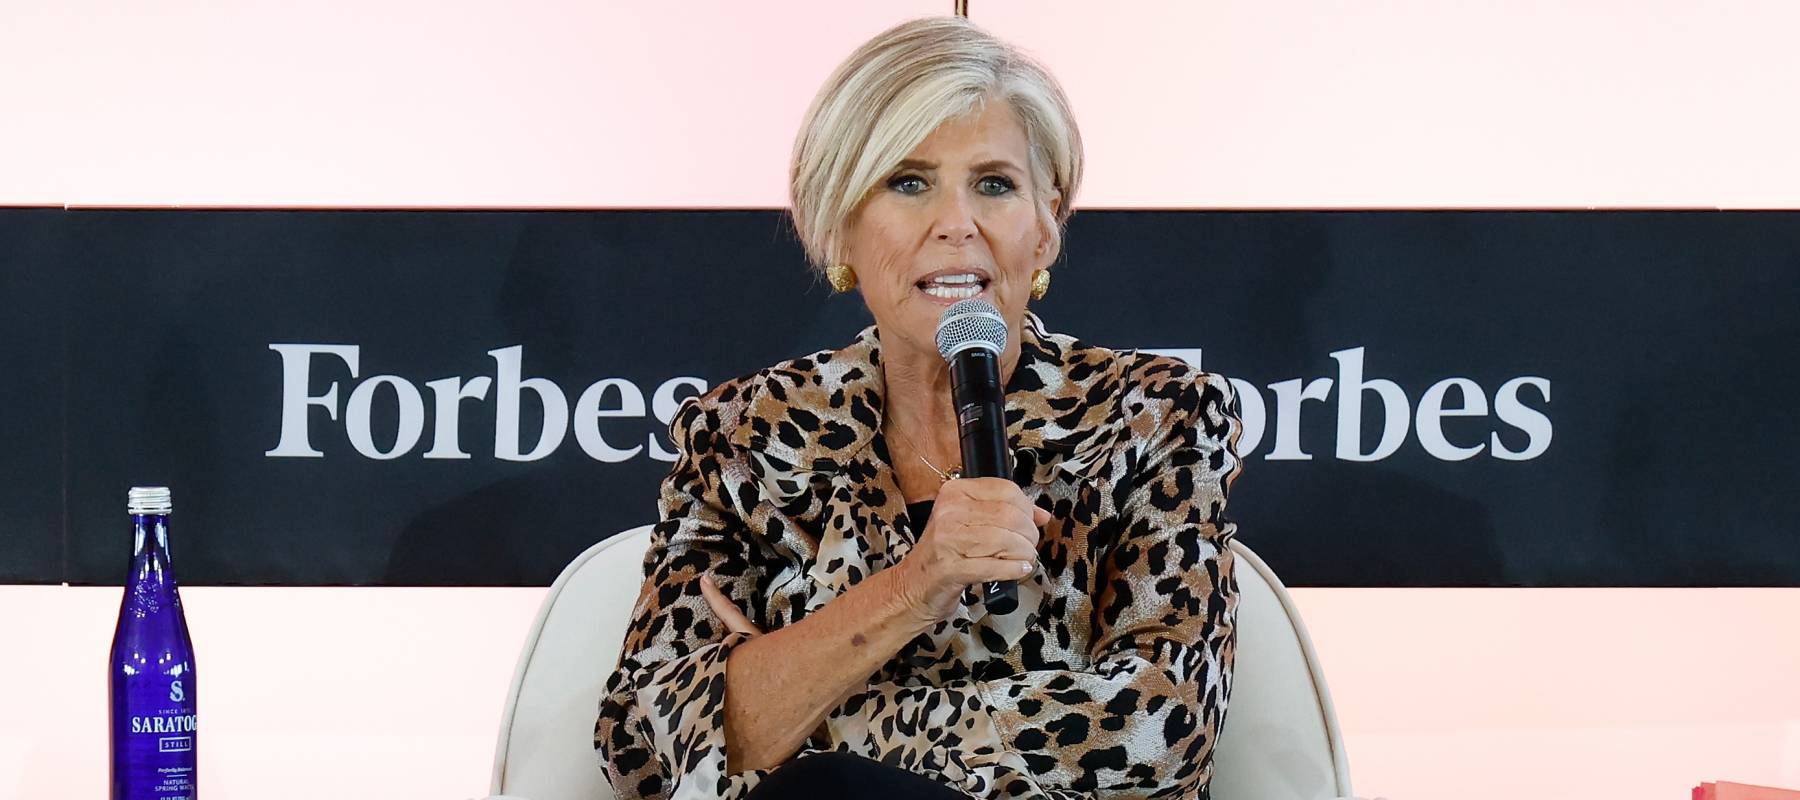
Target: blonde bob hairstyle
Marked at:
896, 89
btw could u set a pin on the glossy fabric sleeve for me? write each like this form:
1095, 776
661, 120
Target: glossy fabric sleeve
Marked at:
1142, 721
661, 726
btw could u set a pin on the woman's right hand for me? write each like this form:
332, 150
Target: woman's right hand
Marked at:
980, 530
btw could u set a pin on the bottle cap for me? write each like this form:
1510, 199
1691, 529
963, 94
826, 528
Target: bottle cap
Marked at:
148, 500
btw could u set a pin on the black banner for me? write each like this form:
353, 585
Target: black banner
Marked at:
32, 463
472, 398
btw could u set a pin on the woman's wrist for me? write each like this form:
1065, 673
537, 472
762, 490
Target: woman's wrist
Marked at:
905, 594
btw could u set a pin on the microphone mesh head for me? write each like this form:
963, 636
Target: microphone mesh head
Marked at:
970, 323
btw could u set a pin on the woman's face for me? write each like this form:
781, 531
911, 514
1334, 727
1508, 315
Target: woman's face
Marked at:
955, 220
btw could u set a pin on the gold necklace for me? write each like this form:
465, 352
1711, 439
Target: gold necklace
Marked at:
955, 472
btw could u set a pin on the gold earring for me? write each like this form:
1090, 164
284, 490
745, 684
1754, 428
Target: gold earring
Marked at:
1040, 284
841, 277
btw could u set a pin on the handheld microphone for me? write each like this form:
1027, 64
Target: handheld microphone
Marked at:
971, 335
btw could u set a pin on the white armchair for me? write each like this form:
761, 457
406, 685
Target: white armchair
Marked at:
1280, 740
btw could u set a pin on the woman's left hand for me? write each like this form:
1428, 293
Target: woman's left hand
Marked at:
734, 619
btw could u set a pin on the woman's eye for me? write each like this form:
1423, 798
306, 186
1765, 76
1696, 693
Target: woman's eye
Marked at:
996, 185
907, 184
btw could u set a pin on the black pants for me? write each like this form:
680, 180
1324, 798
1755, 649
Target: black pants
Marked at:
843, 775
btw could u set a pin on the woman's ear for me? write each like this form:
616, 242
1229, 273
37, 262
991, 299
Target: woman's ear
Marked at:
1049, 244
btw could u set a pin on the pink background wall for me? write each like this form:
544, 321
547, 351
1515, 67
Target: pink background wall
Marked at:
396, 693
1184, 104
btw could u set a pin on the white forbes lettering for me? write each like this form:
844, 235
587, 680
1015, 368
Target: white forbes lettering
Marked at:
312, 373
310, 376
1450, 397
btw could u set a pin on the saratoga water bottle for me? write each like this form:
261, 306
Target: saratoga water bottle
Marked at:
151, 675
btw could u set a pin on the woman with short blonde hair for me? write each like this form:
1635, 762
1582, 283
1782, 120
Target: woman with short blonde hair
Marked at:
808, 625
893, 92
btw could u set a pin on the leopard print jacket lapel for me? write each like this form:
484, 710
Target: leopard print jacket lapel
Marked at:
820, 413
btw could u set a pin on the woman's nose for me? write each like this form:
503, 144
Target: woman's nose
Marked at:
955, 220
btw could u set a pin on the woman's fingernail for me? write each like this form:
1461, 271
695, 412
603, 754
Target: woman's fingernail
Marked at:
1027, 566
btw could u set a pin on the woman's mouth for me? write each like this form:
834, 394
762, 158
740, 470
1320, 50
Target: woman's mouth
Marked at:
951, 288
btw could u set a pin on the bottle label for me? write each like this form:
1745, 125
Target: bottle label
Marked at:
156, 757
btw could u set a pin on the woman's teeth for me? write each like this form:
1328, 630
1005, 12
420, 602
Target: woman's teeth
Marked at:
952, 293
953, 287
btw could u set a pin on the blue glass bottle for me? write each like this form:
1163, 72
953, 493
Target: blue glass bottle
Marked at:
151, 675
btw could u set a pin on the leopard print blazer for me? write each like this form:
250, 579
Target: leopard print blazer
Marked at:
1108, 679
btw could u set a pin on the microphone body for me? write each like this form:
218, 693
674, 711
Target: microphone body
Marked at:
980, 413
981, 426
971, 335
